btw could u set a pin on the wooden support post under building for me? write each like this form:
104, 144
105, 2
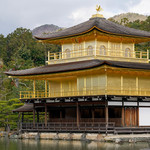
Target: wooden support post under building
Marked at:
123, 113
37, 116
33, 116
61, 115
22, 118
78, 115
45, 115
106, 115
137, 113
93, 116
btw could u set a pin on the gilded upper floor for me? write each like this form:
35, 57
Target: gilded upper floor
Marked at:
97, 38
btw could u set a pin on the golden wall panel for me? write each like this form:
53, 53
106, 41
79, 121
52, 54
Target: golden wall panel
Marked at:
144, 82
114, 81
129, 82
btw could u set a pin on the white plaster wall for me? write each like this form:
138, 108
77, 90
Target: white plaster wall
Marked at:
90, 43
128, 45
144, 116
67, 46
100, 43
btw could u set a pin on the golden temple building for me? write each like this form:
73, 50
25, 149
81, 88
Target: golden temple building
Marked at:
97, 83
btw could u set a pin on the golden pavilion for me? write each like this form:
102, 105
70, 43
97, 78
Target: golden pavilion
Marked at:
97, 83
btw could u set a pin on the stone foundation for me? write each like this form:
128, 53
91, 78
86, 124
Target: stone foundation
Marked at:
131, 138
61, 136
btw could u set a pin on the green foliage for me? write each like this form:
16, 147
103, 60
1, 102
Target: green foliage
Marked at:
7, 117
19, 50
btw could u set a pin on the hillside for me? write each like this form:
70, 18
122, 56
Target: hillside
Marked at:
131, 17
45, 29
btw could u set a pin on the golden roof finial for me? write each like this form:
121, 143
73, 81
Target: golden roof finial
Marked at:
98, 8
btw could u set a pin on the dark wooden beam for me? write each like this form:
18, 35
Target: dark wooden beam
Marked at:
37, 116
93, 116
45, 115
60, 114
33, 116
122, 116
106, 115
137, 113
22, 118
102, 103
78, 114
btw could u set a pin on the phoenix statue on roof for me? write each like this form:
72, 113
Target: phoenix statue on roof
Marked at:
98, 8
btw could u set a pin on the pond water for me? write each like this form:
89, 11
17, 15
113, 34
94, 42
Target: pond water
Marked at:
6, 144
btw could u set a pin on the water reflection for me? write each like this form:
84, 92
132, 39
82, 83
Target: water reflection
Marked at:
6, 144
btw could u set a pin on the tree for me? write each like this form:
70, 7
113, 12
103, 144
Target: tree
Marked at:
124, 21
8, 119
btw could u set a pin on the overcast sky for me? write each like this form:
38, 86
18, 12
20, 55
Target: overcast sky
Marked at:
64, 13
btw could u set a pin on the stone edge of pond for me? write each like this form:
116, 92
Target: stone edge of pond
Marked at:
131, 138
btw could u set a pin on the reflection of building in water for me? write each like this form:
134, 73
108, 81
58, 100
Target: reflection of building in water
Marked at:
97, 82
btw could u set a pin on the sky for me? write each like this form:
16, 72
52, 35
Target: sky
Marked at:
63, 13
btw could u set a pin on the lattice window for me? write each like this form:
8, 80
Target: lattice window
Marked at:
90, 50
127, 52
102, 50
67, 52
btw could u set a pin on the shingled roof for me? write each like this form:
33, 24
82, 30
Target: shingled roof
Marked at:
75, 66
100, 24
24, 108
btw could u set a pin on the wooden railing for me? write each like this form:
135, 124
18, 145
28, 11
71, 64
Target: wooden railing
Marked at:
103, 54
86, 92
69, 127
84, 127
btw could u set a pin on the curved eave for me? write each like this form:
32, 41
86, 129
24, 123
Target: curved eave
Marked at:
142, 38
76, 67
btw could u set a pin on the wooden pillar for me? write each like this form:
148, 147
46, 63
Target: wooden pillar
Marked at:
122, 85
93, 111
45, 88
95, 47
45, 115
22, 118
62, 50
106, 115
148, 55
108, 50
84, 53
78, 115
33, 115
137, 85
49, 89
37, 116
60, 114
137, 111
48, 57
34, 88
123, 113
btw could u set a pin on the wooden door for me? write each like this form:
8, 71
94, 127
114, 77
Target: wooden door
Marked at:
130, 116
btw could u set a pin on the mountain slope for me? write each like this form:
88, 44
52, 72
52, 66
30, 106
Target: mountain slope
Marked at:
45, 29
131, 17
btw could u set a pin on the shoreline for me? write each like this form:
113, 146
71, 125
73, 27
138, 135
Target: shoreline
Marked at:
131, 138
